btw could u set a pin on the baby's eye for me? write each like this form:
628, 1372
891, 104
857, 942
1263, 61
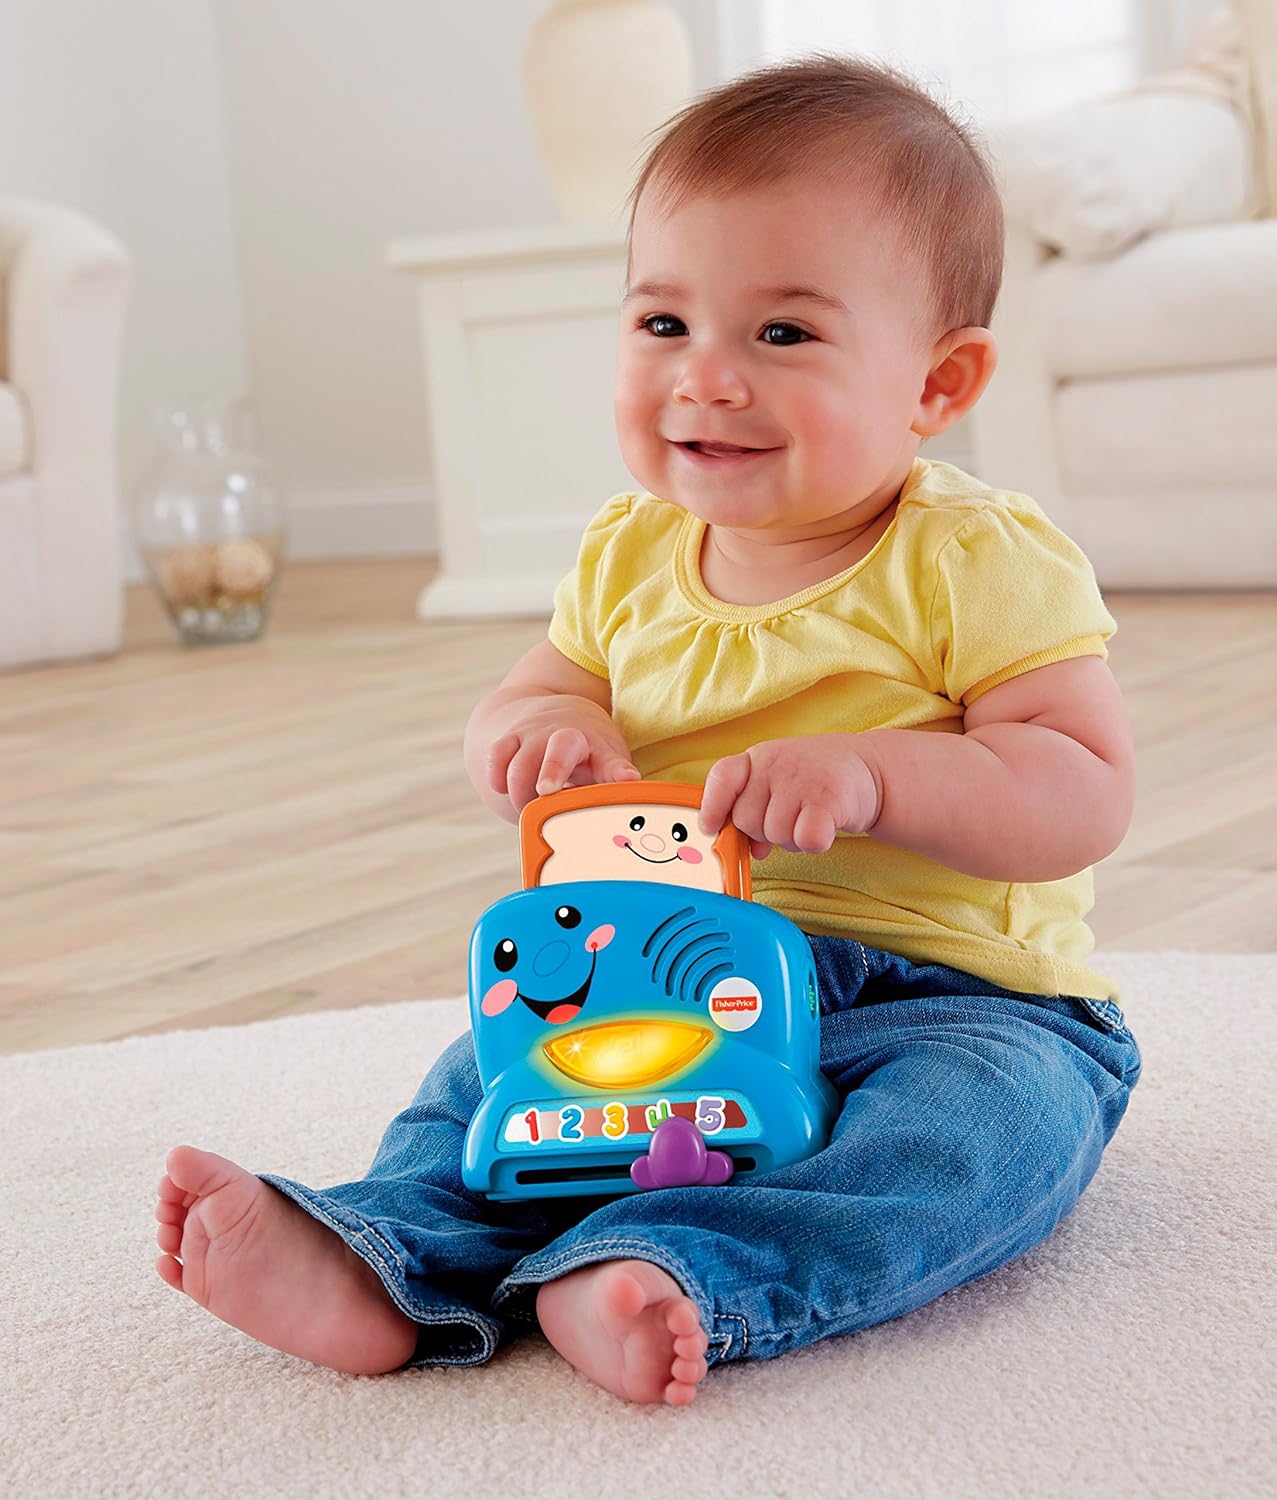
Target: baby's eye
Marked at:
678, 833
664, 325
789, 334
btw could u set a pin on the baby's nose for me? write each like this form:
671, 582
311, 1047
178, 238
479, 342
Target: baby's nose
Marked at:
710, 380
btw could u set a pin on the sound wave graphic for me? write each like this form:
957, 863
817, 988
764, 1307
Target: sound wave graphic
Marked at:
689, 954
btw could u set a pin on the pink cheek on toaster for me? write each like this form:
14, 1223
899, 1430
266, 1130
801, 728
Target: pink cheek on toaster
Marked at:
692, 856
600, 938
498, 997
620, 841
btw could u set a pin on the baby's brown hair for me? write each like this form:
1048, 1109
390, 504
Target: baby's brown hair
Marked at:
848, 117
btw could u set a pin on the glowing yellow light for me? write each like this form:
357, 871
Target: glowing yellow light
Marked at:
627, 1054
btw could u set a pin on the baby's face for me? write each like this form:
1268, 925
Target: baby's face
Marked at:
718, 346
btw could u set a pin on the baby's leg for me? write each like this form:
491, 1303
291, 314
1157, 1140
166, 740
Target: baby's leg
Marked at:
969, 1128
398, 1266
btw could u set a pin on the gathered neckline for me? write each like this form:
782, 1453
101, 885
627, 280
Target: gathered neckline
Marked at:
687, 570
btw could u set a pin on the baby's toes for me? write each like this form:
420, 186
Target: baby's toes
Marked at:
169, 1238
169, 1192
689, 1345
170, 1270
170, 1216
690, 1371
681, 1317
167, 1212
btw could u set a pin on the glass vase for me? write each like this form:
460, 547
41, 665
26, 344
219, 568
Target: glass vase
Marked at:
210, 522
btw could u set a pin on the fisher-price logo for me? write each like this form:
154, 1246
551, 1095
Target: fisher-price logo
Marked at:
735, 1004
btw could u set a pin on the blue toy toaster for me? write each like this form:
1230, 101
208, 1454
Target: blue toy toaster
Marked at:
638, 1032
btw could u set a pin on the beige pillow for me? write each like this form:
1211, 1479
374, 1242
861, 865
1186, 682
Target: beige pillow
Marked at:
1093, 179
1191, 146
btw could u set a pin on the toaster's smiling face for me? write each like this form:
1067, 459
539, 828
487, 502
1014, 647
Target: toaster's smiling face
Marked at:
559, 968
612, 1054
639, 1014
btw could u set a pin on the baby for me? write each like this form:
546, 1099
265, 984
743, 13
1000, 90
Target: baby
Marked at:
889, 676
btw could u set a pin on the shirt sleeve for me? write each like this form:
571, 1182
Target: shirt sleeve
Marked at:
583, 601
1013, 594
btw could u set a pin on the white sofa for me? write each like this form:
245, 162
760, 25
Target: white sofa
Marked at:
1136, 396
63, 287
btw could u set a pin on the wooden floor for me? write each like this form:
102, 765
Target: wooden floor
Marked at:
193, 838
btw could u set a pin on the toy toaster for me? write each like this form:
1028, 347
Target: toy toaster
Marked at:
638, 1021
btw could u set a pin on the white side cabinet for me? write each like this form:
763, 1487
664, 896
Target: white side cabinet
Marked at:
519, 333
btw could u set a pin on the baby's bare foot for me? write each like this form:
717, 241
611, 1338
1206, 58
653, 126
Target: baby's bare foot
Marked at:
627, 1325
259, 1262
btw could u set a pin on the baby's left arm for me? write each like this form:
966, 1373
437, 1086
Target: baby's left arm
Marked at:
1039, 785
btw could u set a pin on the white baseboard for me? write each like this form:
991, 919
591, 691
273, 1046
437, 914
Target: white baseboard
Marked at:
490, 596
390, 521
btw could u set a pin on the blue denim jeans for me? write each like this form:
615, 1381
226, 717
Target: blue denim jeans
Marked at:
972, 1118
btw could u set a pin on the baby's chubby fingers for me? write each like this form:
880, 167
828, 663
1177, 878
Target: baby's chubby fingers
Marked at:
500, 753
814, 829
727, 779
522, 771
565, 750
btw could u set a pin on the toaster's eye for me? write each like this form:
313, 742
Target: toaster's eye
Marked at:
678, 833
568, 916
637, 824
505, 955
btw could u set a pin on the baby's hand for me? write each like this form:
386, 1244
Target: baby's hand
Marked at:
561, 741
796, 794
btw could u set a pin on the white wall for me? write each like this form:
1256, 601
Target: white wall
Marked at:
349, 125
116, 110
256, 156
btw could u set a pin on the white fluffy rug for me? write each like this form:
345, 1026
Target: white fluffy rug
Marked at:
1131, 1355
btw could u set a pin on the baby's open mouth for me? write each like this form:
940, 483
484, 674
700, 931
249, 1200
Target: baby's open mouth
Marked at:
721, 450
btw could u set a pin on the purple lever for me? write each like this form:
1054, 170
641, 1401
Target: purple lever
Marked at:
676, 1157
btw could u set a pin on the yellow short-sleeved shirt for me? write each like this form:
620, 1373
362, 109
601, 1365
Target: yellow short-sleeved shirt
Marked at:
968, 586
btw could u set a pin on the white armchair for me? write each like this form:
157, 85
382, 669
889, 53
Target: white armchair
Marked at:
1136, 396
63, 285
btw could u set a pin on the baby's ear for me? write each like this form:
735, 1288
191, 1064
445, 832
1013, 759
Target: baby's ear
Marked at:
963, 363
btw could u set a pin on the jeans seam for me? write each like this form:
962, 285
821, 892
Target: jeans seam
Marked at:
727, 1338
376, 1250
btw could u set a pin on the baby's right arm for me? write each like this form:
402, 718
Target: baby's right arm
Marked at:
548, 725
